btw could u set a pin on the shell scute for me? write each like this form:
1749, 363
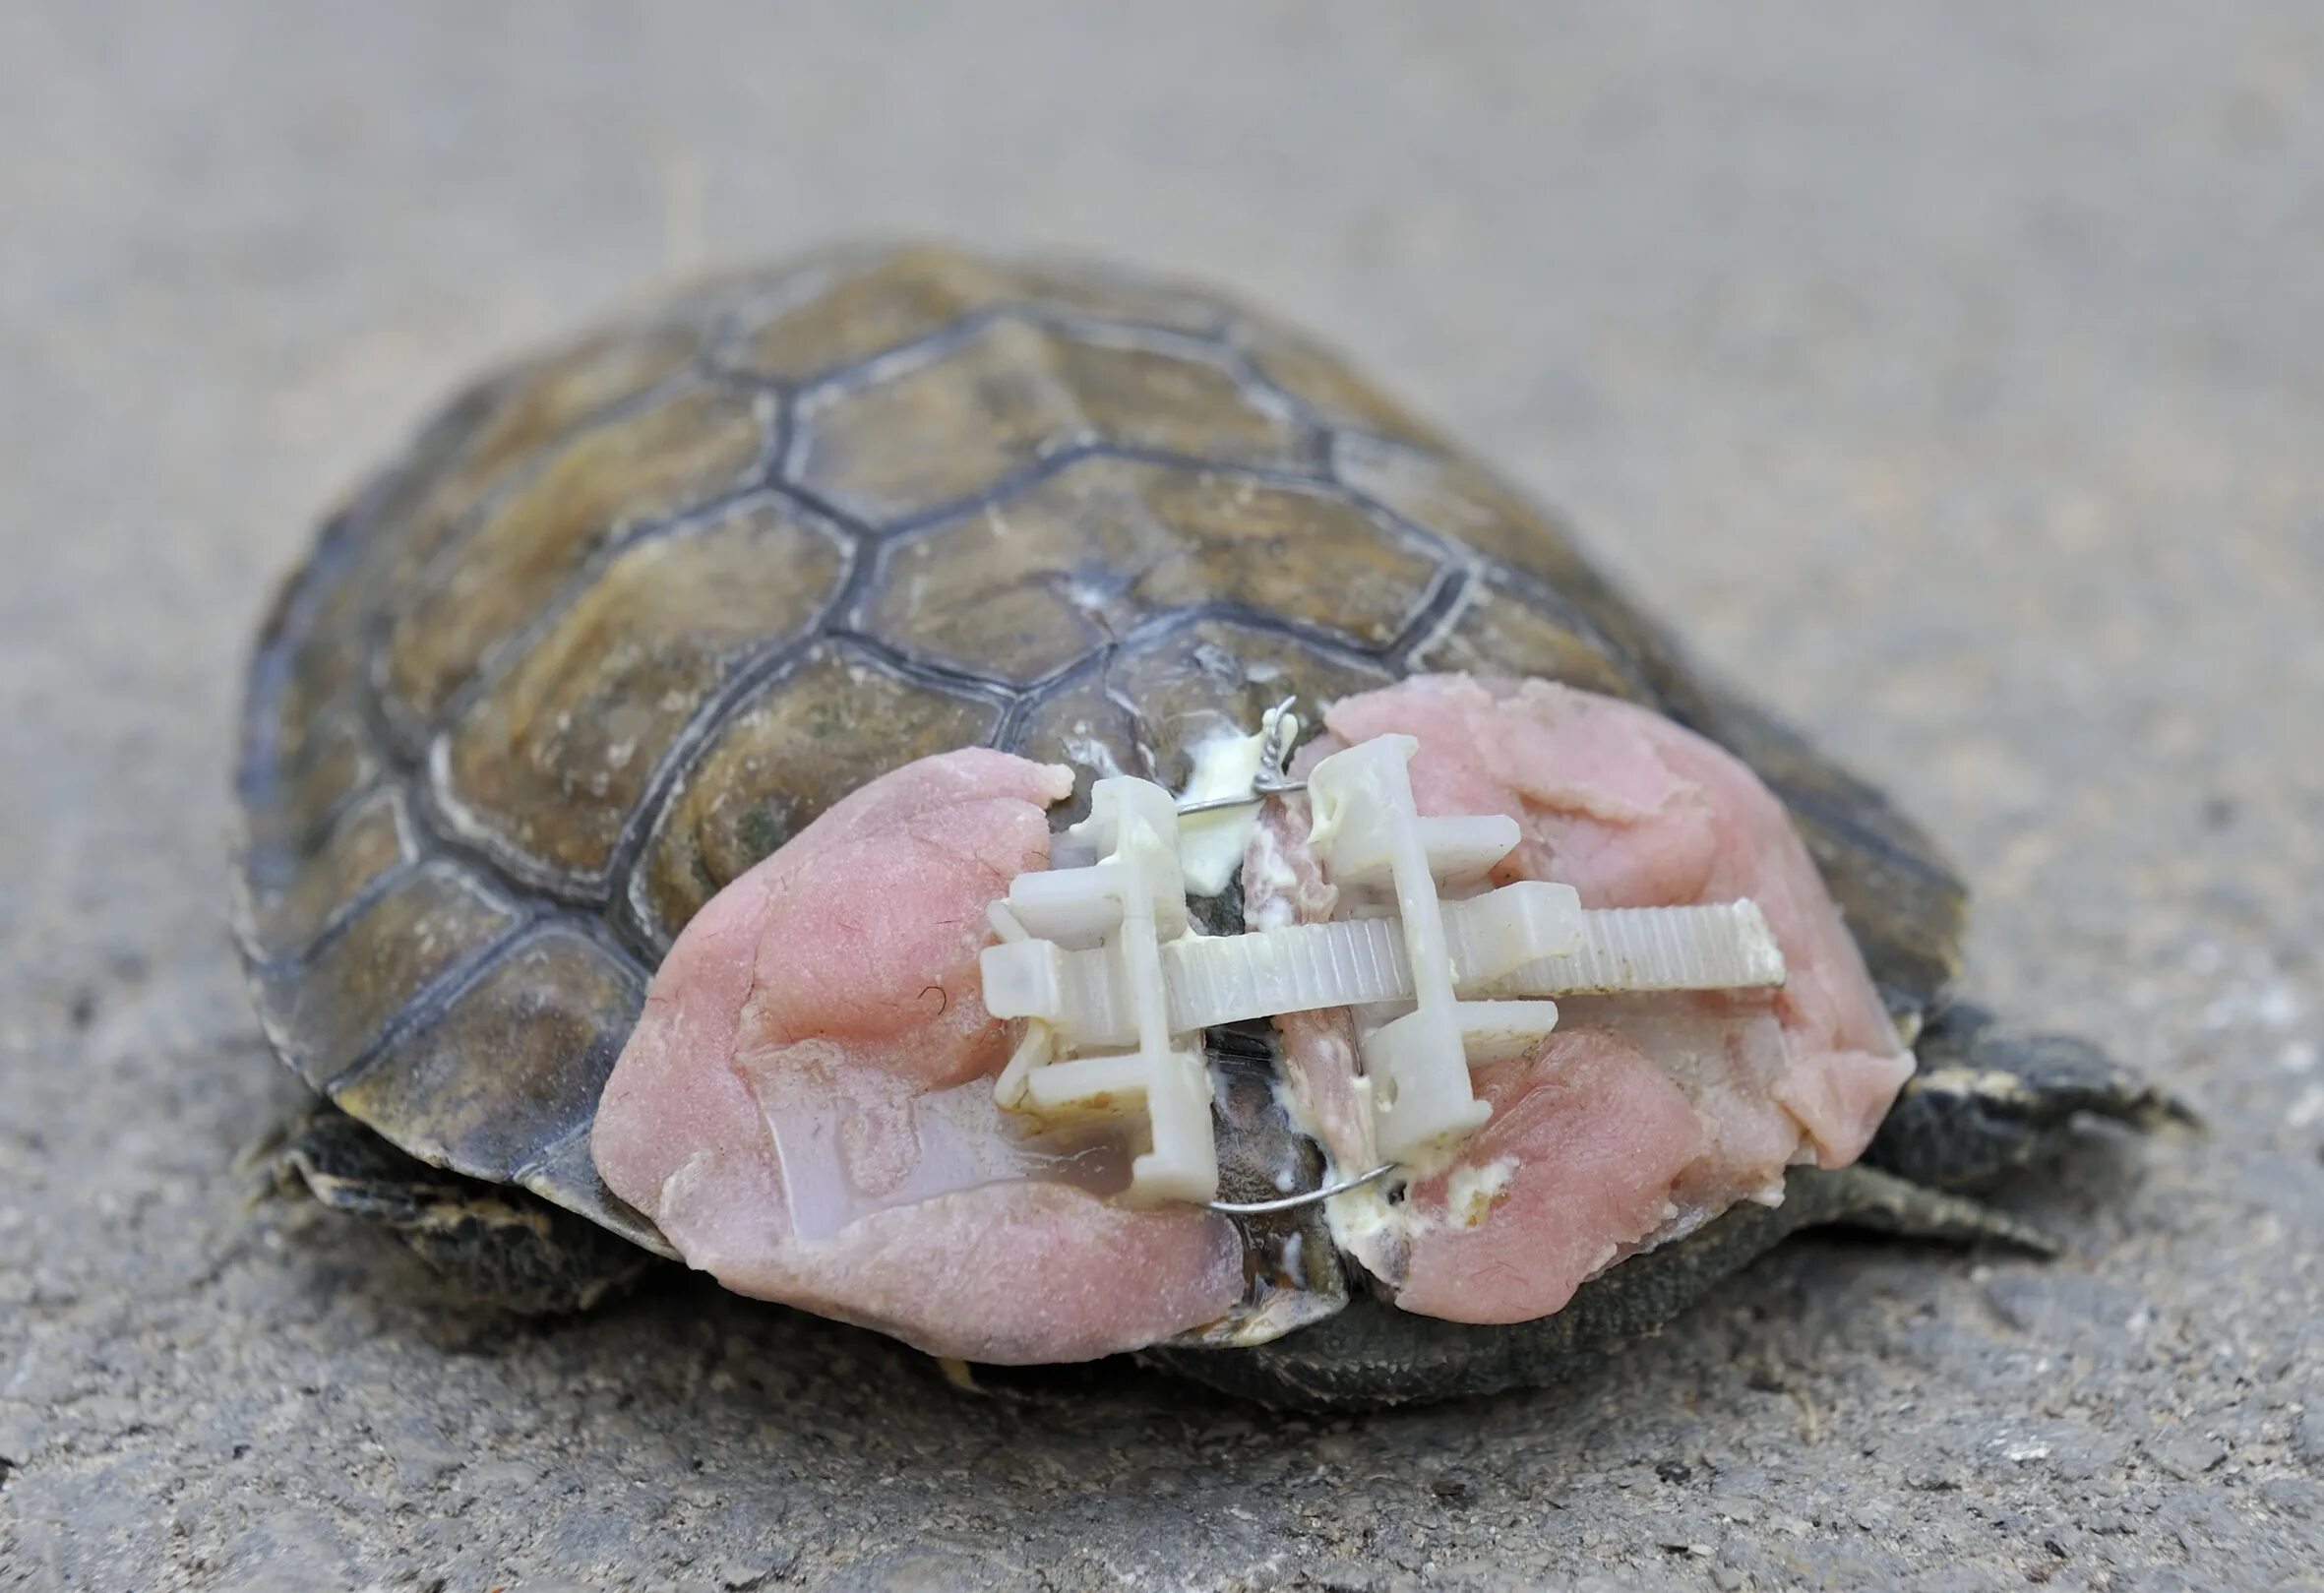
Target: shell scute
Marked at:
1493, 629
294, 800
550, 762
324, 1013
824, 723
862, 305
640, 468
512, 1064
279, 919
1460, 500
1321, 384
520, 414
1024, 587
1011, 395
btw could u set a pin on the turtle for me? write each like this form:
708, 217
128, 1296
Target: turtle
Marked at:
629, 613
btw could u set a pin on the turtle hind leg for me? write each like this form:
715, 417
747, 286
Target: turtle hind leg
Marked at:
503, 1246
1986, 1098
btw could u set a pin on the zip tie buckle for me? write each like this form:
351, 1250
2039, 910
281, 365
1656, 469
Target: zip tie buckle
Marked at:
1080, 957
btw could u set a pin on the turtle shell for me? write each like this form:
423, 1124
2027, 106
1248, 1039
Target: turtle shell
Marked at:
629, 615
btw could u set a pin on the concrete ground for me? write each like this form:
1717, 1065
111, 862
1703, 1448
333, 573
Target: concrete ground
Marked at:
1953, 373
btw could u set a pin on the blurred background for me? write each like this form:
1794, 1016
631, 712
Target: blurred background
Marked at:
1952, 374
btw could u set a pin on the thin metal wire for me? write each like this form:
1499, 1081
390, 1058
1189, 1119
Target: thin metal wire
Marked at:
1273, 780
1258, 792
1292, 1202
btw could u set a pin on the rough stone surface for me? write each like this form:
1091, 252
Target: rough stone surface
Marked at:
1948, 371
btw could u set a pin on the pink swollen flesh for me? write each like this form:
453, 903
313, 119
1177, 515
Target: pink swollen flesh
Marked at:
1642, 1116
829, 1001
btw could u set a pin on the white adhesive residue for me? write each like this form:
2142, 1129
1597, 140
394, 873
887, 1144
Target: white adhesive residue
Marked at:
1471, 1193
1210, 844
1365, 1213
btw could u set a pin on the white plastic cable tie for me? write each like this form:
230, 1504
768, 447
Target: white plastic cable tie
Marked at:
1531, 938
1479, 974
1721, 945
1374, 846
1081, 959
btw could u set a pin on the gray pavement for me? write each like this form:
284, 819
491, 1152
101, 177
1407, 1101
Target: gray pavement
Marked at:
1953, 373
